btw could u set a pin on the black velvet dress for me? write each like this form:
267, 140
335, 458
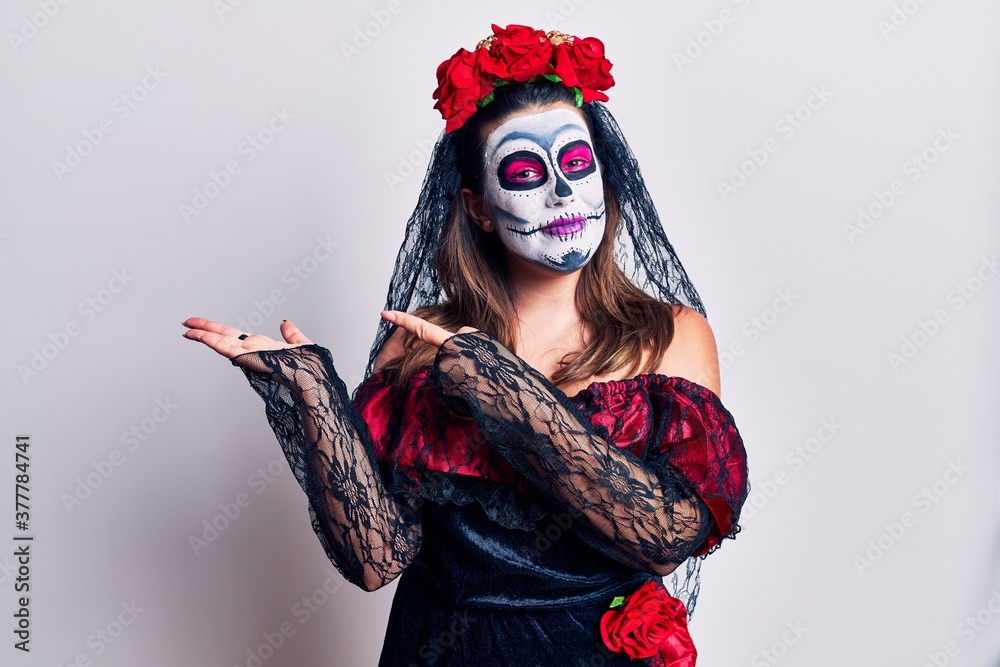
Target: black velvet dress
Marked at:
512, 513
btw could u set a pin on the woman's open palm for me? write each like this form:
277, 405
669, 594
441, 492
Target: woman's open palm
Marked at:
226, 340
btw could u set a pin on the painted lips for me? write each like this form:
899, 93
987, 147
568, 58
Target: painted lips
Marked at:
565, 226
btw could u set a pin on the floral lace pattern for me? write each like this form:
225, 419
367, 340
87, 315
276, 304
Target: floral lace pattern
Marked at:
369, 535
637, 506
653, 465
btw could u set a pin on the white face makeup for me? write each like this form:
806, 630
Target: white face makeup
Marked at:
544, 189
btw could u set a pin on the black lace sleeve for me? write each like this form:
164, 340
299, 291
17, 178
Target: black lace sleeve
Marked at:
370, 535
648, 517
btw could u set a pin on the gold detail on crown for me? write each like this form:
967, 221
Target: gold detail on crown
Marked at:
554, 36
558, 38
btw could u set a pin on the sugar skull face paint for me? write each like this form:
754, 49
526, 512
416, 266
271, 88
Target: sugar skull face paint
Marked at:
544, 189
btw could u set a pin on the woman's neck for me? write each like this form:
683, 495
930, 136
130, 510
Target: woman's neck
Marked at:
540, 293
545, 306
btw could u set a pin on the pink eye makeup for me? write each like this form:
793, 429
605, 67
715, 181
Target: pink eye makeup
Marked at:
522, 170
544, 188
576, 160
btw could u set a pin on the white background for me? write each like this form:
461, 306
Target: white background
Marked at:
323, 179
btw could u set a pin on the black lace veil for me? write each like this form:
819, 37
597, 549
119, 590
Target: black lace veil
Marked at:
641, 248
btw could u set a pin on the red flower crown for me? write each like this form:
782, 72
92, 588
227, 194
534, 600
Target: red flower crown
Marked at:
517, 53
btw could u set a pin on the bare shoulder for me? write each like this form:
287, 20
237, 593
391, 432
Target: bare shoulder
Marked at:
692, 354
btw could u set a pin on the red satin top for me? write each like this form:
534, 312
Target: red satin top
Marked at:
665, 421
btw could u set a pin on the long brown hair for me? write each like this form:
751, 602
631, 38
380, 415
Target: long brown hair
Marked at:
623, 321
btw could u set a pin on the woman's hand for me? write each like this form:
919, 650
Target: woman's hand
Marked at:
424, 330
226, 340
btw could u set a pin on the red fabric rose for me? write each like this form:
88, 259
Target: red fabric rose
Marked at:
525, 51
591, 71
650, 624
519, 53
563, 65
463, 80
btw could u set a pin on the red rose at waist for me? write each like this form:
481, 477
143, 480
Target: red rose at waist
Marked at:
650, 624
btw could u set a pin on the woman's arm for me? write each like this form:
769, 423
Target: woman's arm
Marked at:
692, 353
647, 516
368, 534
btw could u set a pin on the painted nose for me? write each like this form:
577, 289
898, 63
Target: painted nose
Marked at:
561, 194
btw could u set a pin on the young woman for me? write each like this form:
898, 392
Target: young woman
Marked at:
539, 435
